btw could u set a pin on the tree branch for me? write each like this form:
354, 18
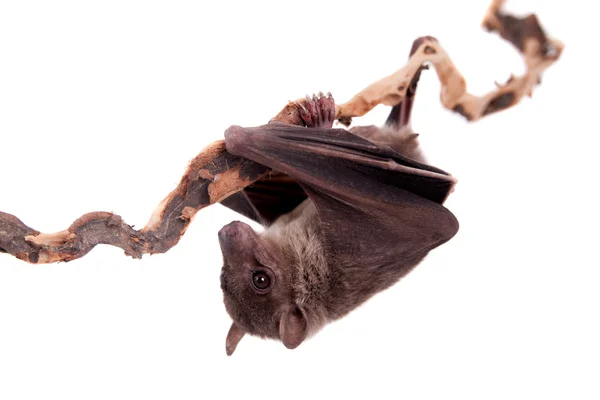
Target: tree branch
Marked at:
526, 34
215, 174
209, 178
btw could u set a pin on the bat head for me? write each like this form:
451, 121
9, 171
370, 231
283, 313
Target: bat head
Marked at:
256, 280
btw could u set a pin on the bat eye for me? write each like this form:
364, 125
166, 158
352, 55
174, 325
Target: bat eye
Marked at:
261, 280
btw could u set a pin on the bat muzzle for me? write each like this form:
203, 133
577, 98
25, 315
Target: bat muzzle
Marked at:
237, 241
233, 232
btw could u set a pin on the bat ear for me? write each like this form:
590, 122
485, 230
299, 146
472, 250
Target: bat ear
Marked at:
293, 328
235, 334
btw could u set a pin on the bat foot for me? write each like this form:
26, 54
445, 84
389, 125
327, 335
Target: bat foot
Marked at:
317, 111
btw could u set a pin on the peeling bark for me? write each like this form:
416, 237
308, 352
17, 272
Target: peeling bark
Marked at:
526, 34
215, 174
210, 177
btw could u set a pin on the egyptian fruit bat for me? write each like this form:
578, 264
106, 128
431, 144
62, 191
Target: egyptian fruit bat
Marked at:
346, 215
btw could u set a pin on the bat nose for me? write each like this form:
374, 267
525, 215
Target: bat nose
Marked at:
229, 232
233, 235
236, 240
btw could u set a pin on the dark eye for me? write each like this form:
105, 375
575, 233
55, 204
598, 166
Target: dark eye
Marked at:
261, 280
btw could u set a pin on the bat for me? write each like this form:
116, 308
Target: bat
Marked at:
347, 212
346, 215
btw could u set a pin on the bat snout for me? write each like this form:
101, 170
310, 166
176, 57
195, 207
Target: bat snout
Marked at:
234, 230
235, 237
228, 232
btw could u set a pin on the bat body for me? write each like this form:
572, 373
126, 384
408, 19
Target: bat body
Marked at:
367, 213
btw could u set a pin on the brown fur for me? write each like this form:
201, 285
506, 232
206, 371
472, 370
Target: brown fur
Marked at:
304, 284
403, 141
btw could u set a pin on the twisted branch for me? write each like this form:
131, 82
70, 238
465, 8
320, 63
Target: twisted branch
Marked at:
210, 177
215, 174
526, 34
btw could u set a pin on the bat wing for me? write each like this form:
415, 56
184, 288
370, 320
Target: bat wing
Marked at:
375, 205
267, 199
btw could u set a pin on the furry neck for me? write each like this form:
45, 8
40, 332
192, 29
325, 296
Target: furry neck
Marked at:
298, 232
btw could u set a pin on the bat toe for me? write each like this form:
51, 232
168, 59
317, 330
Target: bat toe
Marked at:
317, 111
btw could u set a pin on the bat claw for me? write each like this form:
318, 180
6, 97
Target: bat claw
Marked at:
304, 112
317, 111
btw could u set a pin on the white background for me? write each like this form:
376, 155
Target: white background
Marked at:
102, 104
